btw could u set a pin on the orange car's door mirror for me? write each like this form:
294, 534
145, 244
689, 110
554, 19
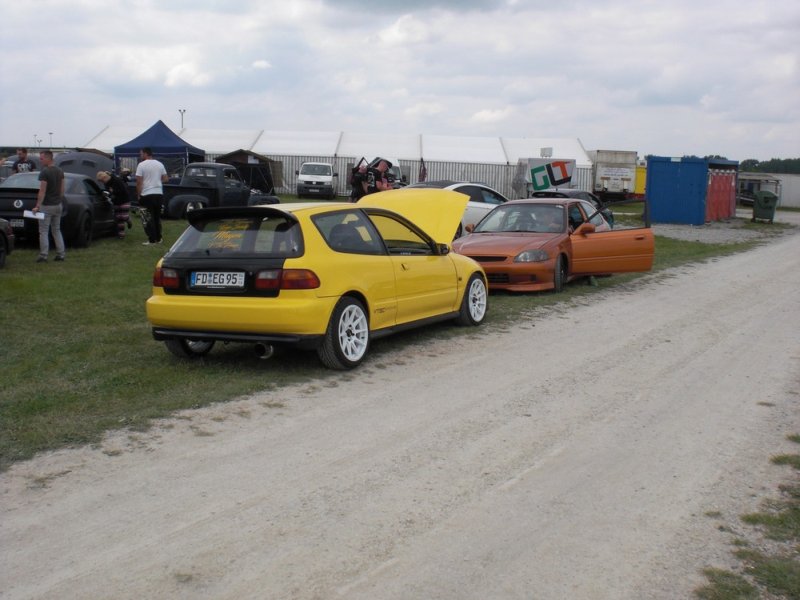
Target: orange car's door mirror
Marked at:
469, 228
585, 228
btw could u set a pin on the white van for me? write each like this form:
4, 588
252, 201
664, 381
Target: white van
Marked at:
316, 180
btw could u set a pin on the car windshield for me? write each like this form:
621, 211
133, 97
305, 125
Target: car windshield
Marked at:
28, 181
308, 169
531, 218
240, 236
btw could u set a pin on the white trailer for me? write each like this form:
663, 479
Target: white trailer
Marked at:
613, 173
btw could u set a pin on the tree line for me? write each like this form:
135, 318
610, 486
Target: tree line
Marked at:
751, 165
773, 165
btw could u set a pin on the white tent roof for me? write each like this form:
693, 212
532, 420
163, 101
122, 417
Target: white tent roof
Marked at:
232, 139
488, 150
388, 145
296, 143
464, 149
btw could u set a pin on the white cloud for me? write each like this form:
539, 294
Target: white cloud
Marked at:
406, 30
491, 116
188, 74
425, 109
666, 78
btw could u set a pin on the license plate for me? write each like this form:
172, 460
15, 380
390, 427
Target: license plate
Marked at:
217, 279
313, 190
17, 223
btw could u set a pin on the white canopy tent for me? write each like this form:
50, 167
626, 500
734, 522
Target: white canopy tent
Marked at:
467, 158
488, 150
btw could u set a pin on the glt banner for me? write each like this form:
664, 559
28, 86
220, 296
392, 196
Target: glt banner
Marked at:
547, 173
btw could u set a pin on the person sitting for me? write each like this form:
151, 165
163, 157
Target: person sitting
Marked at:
556, 223
117, 191
524, 222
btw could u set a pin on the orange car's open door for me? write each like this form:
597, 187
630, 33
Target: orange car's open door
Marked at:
614, 251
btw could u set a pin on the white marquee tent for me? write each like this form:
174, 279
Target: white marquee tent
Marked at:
489, 159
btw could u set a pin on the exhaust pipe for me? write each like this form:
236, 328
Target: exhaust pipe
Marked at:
264, 351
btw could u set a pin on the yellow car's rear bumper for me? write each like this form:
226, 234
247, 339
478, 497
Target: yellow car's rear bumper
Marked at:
297, 314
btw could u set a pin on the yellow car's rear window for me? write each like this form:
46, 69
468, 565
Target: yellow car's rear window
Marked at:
263, 236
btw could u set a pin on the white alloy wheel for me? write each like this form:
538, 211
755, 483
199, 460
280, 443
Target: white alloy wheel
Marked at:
347, 339
475, 302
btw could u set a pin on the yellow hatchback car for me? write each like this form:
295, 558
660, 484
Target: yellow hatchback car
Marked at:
324, 276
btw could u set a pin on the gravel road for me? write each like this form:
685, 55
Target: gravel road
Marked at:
577, 455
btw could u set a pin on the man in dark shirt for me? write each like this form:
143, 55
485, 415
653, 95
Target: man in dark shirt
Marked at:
23, 164
376, 176
49, 203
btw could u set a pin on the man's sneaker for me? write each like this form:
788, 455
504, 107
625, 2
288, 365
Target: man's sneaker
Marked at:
147, 243
159, 241
41, 259
60, 259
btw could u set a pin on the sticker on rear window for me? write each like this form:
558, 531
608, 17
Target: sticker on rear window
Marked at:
230, 235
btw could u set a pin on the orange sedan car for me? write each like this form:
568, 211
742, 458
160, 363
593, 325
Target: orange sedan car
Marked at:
541, 244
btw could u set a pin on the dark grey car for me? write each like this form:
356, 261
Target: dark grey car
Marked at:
88, 213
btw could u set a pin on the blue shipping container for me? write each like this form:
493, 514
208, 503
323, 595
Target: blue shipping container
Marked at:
678, 189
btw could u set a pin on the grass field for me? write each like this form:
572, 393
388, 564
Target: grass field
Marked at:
78, 358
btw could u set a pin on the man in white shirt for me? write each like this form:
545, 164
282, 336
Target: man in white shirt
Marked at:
150, 177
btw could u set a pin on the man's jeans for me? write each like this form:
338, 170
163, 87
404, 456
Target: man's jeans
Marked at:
51, 224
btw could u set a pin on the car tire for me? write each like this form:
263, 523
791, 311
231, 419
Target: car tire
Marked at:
474, 303
559, 274
83, 232
346, 340
183, 348
3, 253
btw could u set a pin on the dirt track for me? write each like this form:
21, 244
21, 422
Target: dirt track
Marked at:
576, 456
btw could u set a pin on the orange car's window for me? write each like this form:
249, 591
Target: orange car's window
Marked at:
575, 215
596, 218
530, 218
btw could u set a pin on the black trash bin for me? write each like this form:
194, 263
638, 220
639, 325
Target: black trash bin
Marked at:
764, 205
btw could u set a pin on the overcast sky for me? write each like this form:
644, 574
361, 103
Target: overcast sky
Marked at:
666, 77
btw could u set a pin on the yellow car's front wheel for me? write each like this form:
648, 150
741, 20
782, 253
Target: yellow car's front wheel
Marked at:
347, 338
475, 302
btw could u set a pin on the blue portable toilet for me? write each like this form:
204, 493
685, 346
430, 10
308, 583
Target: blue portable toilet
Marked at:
690, 190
